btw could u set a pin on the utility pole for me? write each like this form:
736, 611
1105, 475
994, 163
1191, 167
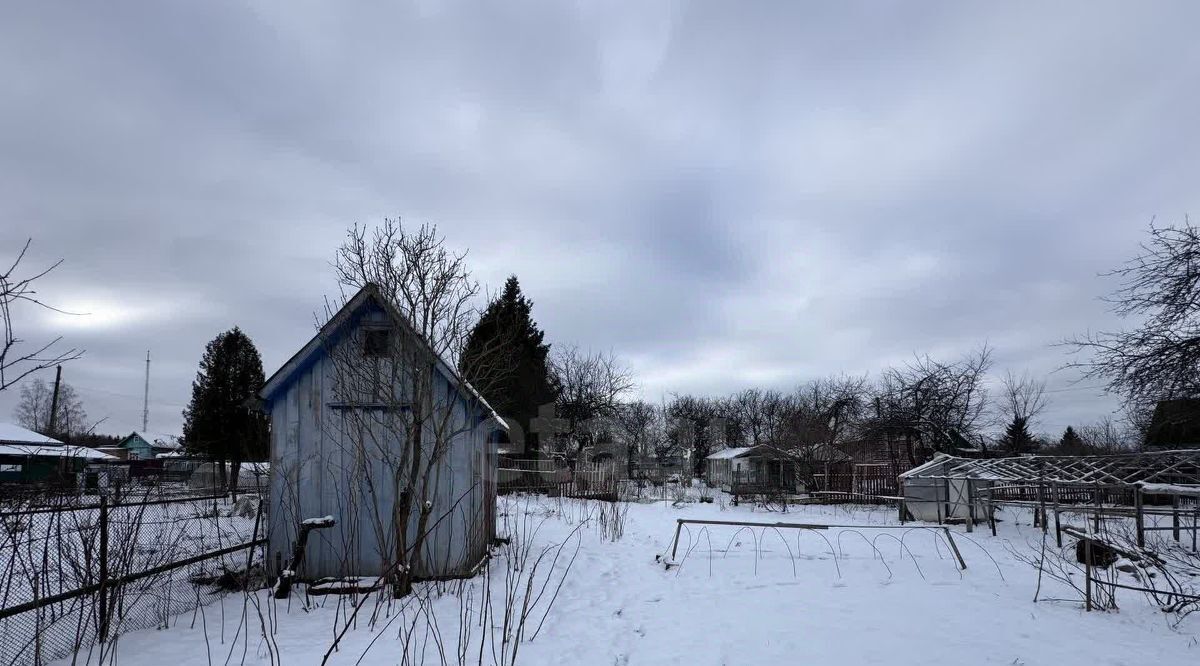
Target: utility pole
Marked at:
54, 402
146, 397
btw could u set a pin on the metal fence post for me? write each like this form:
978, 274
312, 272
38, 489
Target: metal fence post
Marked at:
947, 510
1087, 571
102, 627
991, 506
675, 541
1039, 515
1139, 519
970, 505
1175, 517
1057, 517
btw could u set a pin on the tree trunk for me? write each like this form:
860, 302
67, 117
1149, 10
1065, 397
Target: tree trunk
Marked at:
402, 585
235, 470
402, 578
418, 543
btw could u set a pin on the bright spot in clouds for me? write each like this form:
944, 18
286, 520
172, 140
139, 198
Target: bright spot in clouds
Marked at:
104, 313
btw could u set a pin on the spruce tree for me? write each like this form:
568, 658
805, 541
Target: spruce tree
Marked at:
1017, 438
1071, 443
505, 357
221, 422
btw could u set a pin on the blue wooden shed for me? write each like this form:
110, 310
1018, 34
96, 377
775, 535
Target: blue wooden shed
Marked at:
328, 460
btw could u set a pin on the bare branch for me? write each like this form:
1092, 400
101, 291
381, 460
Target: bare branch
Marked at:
591, 385
1023, 397
17, 359
1159, 359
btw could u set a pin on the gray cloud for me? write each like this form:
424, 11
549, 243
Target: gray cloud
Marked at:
724, 194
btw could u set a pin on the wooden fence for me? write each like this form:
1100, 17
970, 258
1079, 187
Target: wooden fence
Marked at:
834, 483
856, 482
558, 477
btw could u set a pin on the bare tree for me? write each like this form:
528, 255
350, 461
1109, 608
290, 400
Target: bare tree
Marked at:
639, 427
931, 405
19, 358
762, 413
822, 411
694, 424
394, 412
1022, 397
1107, 436
33, 409
1160, 358
804, 427
591, 385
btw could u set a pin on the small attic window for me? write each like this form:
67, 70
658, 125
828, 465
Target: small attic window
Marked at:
377, 342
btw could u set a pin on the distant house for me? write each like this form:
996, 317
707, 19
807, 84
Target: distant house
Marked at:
1174, 425
321, 467
765, 467
29, 458
142, 448
721, 467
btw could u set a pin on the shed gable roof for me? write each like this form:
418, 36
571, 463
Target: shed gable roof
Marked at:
134, 437
369, 294
730, 453
1175, 424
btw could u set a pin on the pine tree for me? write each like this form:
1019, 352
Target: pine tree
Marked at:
1071, 443
1017, 438
220, 422
505, 357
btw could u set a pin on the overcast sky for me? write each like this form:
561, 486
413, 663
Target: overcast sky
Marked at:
724, 194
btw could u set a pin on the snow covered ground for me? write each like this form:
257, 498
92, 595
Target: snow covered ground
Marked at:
55, 551
737, 597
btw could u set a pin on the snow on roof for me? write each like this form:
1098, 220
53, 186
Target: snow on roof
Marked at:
735, 452
161, 444
15, 434
55, 450
920, 470
817, 452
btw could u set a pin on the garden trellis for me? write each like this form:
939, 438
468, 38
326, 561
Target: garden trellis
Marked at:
1173, 467
1110, 486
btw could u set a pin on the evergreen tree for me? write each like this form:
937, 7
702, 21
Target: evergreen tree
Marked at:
505, 358
1017, 438
1071, 443
221, 422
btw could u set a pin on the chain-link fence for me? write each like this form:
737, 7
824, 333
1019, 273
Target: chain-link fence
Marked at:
75, 575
